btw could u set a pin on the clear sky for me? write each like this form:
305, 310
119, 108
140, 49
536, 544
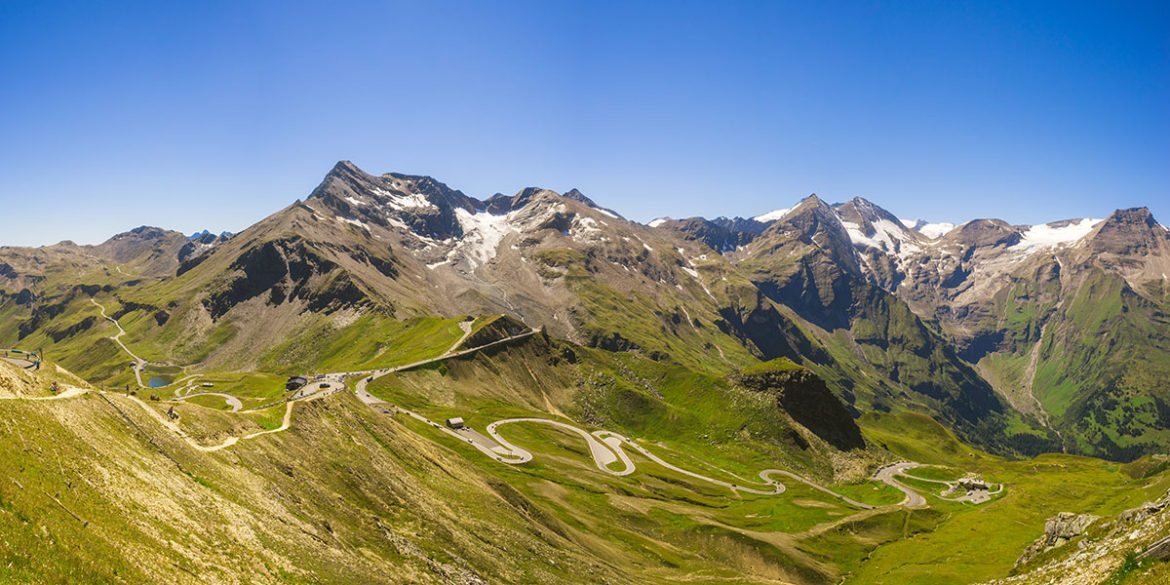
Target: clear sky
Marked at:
215, 114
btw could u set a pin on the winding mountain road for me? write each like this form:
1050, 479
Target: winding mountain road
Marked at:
286, 421
887, 474
368, 376
606, 448
977, 496
139, 363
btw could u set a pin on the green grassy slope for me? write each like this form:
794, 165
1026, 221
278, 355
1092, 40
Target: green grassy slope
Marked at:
974, 544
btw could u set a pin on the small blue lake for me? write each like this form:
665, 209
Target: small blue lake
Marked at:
158, 382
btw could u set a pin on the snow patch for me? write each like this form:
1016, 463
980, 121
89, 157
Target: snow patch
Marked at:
887, 236
657, 222
772, 215
933, 231
644, 244
353, 222
482, 234
586, 228
410, 201
1050, 235
607, 212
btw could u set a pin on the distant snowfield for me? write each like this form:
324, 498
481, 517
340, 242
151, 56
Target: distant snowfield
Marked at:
482, 234
772, 215
1050, 235
933, 231
887, 236
657, 222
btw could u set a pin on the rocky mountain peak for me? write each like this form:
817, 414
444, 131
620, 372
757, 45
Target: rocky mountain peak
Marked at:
346, 167
871, 226
144, 236
861, 210
153, 246
416, 203
984, 233
814, 224
1129, 231
813, 200
144, 233
500, 203
206, 235
811, 215
721, 234
576, 195
1135, 218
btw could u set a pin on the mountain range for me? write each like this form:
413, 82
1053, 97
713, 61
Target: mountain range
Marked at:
1021, 338
831, 339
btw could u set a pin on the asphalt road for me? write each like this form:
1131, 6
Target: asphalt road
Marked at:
887, 474
606, 448
139, 363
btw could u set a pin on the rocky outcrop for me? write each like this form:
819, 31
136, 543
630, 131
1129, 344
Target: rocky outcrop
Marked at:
772, 335
84, 325
502, 327
1144, 511
285, 270
1132, 537
807, 399
1058, 530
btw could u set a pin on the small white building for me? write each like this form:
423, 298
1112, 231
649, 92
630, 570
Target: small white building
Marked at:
456, 423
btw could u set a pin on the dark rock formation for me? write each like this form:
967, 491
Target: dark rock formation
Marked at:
807, 399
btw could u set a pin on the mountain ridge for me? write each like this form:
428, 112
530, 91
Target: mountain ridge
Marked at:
922, 315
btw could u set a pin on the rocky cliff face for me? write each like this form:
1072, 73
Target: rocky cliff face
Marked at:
1058, 530
807, 399
288, 270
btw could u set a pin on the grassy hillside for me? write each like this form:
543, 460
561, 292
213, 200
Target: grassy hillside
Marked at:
974, 544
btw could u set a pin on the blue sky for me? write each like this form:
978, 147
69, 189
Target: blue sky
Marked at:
215, 114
